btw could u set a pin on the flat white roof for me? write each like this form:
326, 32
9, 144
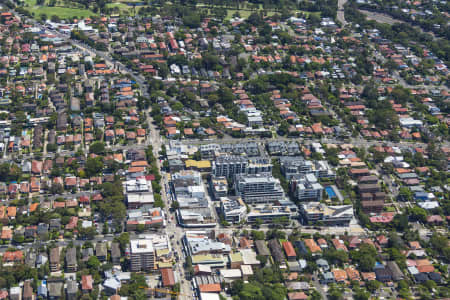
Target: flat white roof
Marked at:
141, 246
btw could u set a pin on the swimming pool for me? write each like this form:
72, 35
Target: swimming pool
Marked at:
330, 192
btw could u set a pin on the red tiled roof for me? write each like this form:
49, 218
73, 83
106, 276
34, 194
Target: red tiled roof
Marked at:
210, 288
168, 278
289, 249
86, 282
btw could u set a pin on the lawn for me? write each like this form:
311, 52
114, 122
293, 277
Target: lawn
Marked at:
62, 12
121, 6
243, 13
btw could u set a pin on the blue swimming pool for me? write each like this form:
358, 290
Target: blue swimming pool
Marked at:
330, 192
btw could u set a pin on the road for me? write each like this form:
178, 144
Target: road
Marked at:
154, 139
340, 12
357, 142
385, 18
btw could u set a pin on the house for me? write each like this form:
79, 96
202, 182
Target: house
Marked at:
289, 251
86, 283
55, 290
71, 289
323, 264
54, 259
27, 291
101, 251
383, 275
340, 276
13, 257
397, 274
115, 253
71, 260
297, 296
327, 278
312, 246
275, 250
261, 248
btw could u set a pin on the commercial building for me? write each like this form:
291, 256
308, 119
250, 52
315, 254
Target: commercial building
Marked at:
142, 255
232, 209
313, 212
269, 213
140, 200
196, 217
201, 242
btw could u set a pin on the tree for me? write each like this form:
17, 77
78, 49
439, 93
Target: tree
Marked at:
56, 189
365, 257
405, 194
418, 214
401, 222
93, 166
158, 201
18, 238
373, 285
140, 228
87, 233
283, 128
336, 256
192, 20
275, 234
315, 295
439, 242
361, 294
123, 239
175, 205
334, 293
52, 147
250, 291
97, 148
258, 223
258, 235
262, 259
93, 263
111, 189
9, 172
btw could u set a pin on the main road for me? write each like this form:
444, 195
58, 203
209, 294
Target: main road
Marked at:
155, 140
340, 12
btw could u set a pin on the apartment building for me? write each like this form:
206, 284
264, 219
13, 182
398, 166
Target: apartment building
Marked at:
307, 188
229, 165
260, 188
295, 166
142, 255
